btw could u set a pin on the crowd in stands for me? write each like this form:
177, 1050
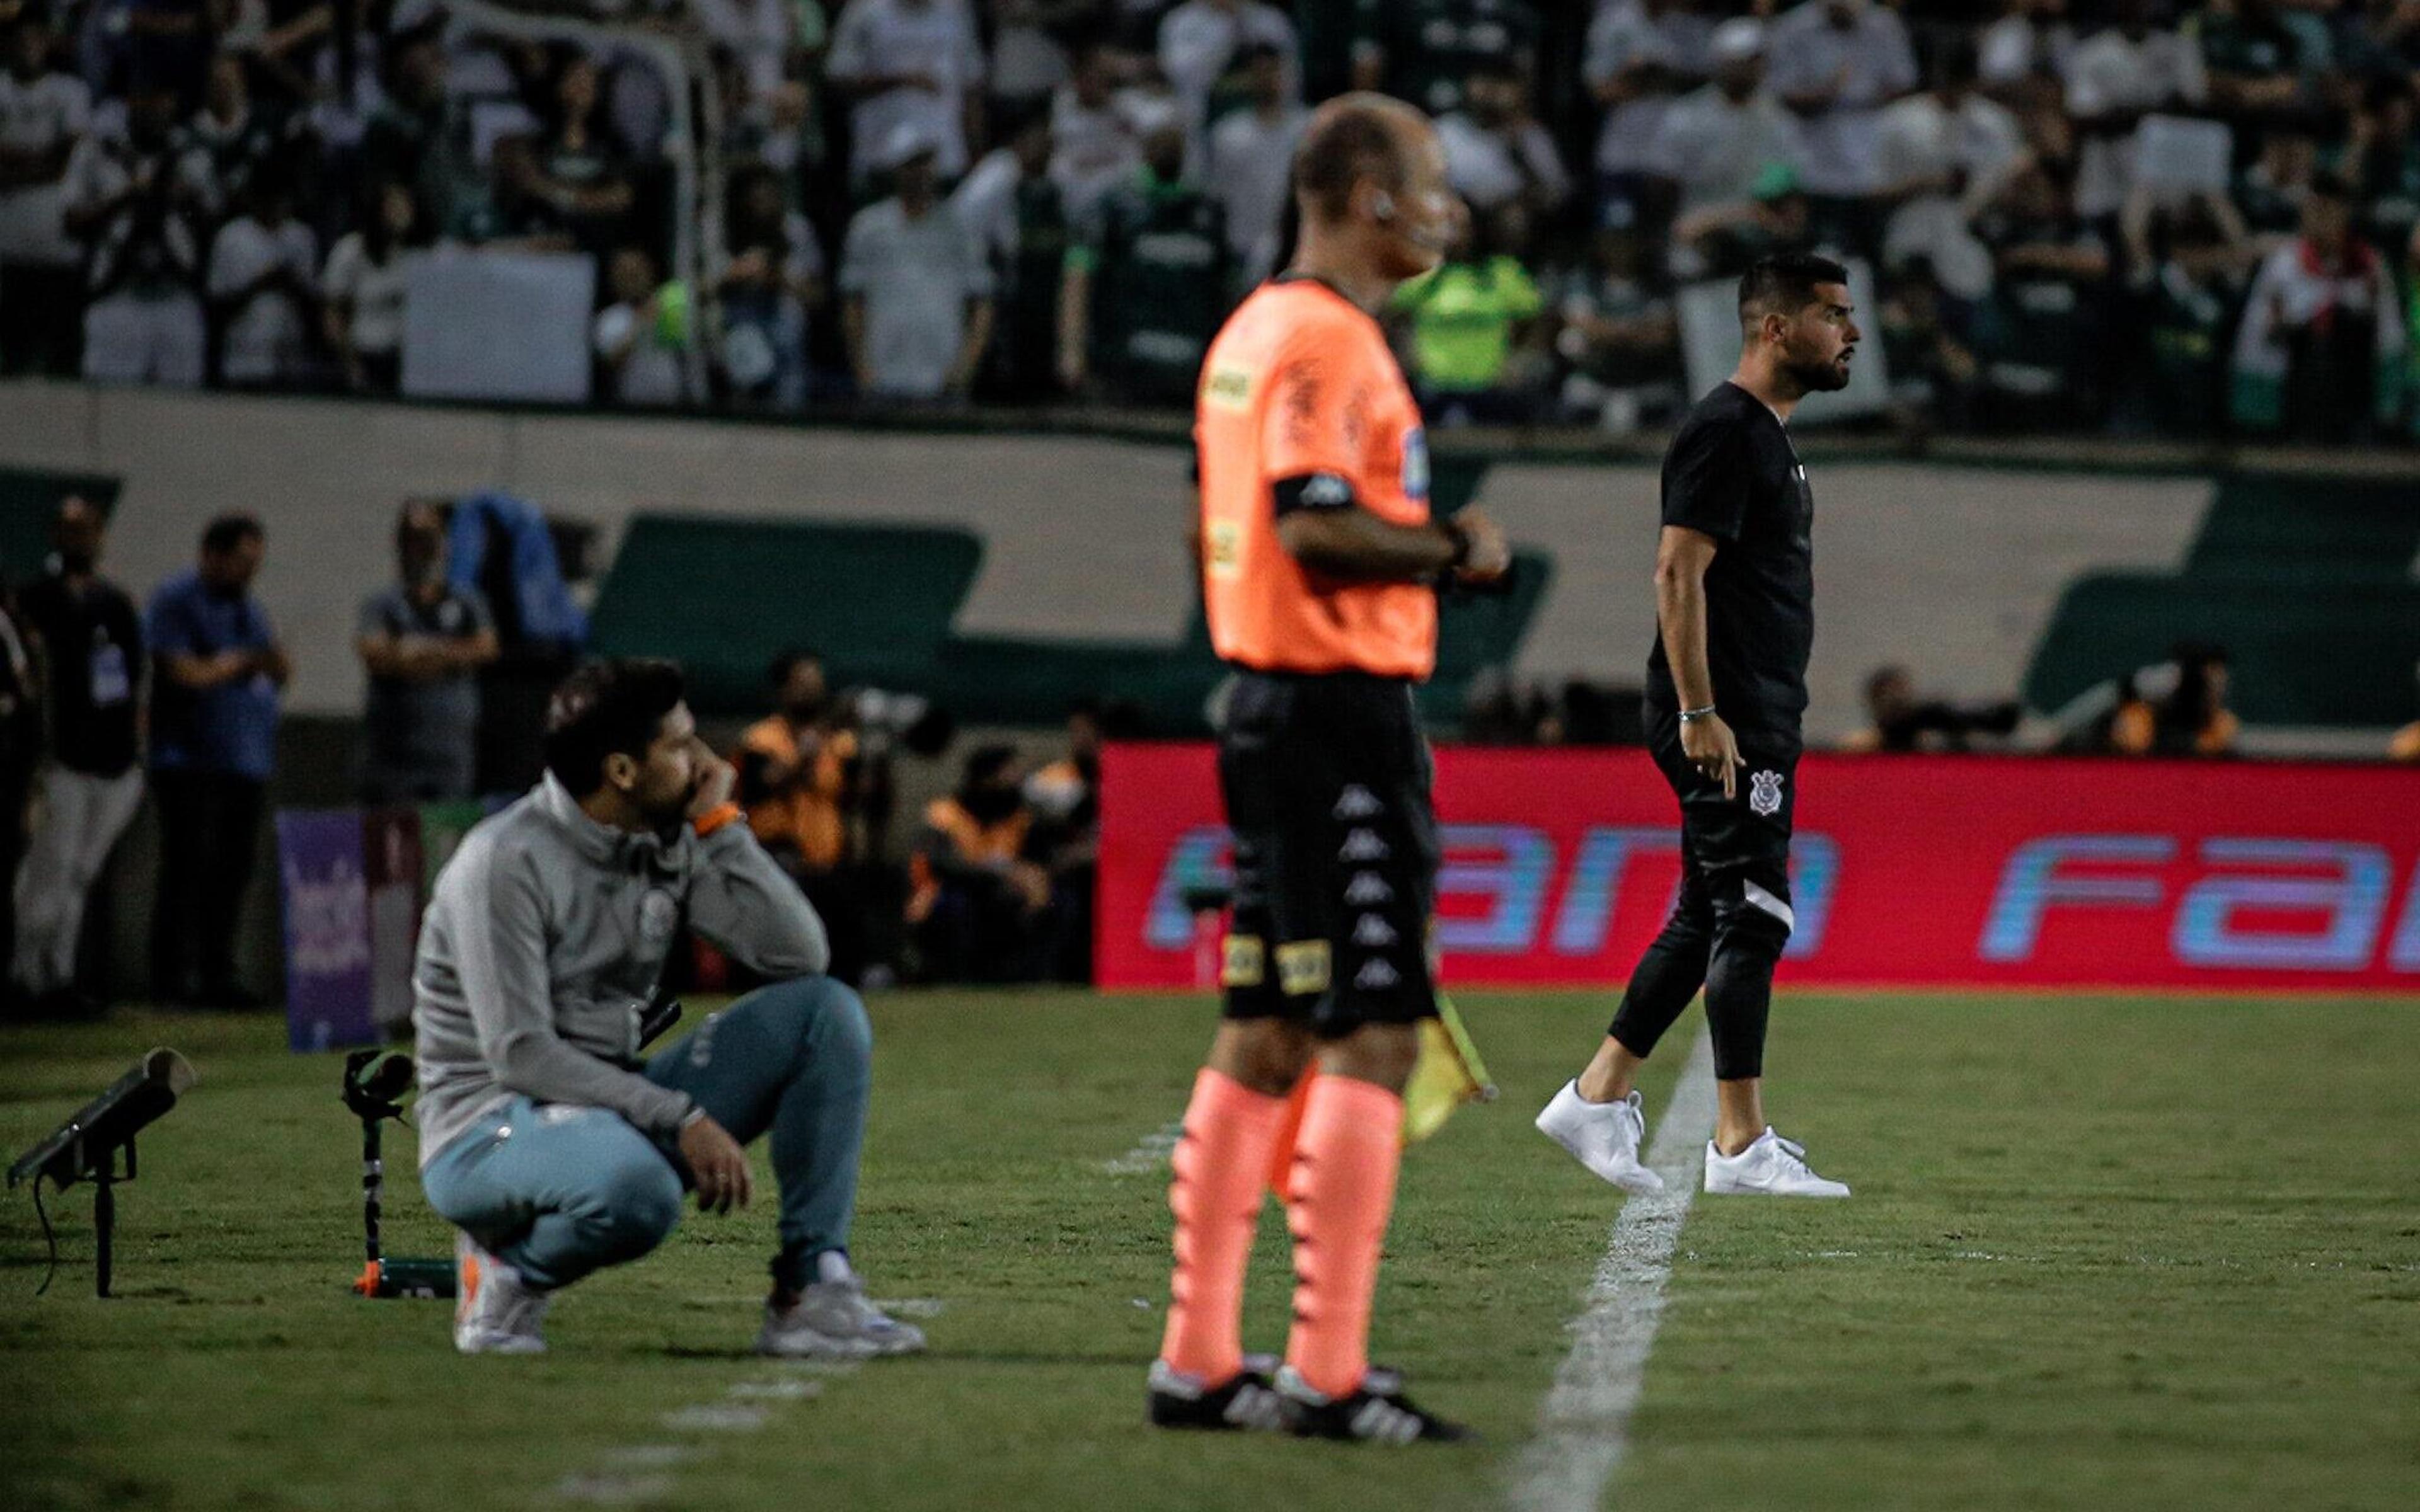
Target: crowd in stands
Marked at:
2189, 217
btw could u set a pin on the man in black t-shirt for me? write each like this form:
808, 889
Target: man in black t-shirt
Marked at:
88, 645
1726, 685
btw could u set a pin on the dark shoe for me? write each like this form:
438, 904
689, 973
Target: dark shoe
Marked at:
1243, 1400
1379, 1412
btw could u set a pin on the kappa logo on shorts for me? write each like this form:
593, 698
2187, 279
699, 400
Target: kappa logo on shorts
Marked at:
1303, 969
1373, 932
1357, 802
1764, 793
1375, 976
1368, 889
1363, 845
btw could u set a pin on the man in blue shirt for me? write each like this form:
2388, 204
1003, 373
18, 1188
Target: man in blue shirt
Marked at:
218, 668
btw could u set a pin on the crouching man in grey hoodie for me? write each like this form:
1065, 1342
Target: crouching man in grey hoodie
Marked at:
546, 1139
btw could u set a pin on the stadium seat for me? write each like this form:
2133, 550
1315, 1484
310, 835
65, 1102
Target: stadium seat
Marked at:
2339, 654
725, 596
2306, 583
2280, 525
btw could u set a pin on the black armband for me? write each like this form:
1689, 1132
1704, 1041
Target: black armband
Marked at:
1314, 490
1459, 533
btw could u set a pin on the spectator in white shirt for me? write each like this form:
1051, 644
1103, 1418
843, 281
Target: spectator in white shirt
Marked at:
1095, 143
263, 282
42, 112
1836, 63
1946, 146
2030, 41
917, 290
760, 33
2115, 78
1495, 152
363, 286
1716, 142
1027, 61
127, 203
1640, 54
1250, 171
908, 63
639, 338
1202, 44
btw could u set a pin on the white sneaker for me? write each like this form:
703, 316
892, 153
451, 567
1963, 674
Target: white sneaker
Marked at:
1603, 1136
1773, 1166
495, 1312
834, 1321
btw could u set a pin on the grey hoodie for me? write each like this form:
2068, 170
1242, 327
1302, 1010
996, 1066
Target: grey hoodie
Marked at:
543, 945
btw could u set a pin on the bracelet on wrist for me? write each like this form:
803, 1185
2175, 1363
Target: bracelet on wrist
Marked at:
1692, 716
716, 818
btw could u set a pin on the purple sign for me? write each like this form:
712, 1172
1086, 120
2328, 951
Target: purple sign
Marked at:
321, 881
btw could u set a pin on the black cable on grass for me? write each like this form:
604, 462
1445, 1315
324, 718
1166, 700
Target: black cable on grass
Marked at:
49, 1236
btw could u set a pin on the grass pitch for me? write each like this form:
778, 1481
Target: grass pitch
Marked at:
2104, 1253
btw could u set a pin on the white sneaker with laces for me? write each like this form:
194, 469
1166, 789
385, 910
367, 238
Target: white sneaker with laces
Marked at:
495, 1312
835, 1320
1773, 1167
1603, 1136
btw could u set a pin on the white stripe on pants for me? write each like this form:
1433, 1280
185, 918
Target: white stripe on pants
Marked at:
80, 818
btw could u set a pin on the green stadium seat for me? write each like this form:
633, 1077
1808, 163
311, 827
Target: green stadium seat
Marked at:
2305, 581
726, 595
2335, 654
2281, 527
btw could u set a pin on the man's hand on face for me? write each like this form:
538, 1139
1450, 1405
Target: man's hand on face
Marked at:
716, 780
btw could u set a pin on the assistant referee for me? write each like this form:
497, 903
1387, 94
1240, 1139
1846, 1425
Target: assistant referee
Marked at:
1726, 688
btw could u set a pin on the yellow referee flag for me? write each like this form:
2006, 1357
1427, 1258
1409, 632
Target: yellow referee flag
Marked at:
1447, 1075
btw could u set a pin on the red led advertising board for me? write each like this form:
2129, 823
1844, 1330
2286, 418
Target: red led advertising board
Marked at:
1916, 870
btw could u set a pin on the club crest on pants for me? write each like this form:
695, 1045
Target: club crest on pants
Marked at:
1764, 793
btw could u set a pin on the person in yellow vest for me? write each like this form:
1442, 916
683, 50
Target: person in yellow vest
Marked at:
980, 907
799, 782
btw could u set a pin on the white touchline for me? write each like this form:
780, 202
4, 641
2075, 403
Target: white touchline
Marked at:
1150, 1153
1584, 1424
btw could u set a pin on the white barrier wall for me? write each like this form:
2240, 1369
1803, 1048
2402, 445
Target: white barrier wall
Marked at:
1954, 570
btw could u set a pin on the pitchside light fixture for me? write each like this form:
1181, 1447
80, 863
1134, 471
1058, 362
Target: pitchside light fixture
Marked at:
85, 1148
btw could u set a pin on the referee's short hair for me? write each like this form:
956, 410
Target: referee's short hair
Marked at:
1351, 138
1784, 284
604, 707
224, 533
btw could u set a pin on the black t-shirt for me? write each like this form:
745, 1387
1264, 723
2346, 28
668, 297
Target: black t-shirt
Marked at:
1732, 474
94, 642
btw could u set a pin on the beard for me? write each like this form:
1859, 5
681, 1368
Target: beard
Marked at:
1820, 378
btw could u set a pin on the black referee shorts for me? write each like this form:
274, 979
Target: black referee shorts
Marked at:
1326, 783
1735, 851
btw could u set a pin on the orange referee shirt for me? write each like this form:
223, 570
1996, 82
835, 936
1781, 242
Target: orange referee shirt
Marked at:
1300, 385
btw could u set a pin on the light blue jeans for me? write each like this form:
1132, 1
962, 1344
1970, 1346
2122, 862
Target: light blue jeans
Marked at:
557, 1191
